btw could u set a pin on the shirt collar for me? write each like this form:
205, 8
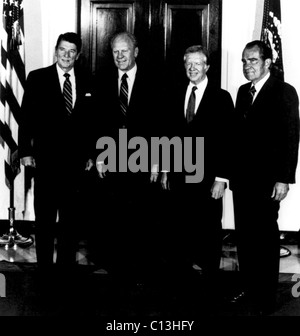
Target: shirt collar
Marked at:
61, 72
131, 73
200, 86
260, 83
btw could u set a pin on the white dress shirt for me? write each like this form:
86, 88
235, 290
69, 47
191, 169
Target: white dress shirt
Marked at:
199, 93
260, 84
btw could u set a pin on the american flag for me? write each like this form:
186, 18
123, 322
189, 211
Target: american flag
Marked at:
12, 77
271, 34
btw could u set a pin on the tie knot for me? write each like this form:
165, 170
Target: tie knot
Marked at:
194, 88
124, 77
67, 75
252, 90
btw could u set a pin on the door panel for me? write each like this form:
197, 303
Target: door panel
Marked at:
164, 30
108, 20
185, 25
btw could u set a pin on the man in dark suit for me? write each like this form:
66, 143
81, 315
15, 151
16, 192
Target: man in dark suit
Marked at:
127, 105
266, 153
52, 139
198, 109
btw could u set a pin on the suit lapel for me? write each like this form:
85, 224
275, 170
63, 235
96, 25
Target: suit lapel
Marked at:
54, 86
264, 91
202, 108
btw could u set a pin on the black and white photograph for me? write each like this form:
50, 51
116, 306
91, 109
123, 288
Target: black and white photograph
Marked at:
149, 175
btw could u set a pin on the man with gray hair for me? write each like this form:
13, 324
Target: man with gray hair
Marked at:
128, 104
199, 109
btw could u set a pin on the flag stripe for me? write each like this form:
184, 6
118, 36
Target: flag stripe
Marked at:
2, 94
12, 102
3, 56
6, 135
18, 66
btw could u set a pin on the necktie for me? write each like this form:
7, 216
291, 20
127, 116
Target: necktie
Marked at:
67, 92
124, 94
251, 94
190, 111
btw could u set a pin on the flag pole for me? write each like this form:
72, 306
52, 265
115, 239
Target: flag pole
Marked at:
12, 239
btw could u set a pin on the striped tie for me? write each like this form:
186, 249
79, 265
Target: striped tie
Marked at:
251, 94
250, 97
190, 111
67, 92
124, 94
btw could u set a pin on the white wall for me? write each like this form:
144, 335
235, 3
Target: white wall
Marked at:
44, 21
289, 218
242, 23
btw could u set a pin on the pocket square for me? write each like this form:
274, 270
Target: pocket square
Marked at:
88, 95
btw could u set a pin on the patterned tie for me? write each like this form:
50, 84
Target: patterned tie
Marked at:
190, 111
251, 94
124, 94
67, 92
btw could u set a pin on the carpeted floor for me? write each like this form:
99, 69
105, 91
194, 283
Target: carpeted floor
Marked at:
85, 292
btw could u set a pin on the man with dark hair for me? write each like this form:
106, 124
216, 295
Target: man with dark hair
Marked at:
71, 38
52, 138
266, 129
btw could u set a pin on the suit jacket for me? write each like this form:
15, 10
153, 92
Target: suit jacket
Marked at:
212, 121
46, 132
266, 141
143, 111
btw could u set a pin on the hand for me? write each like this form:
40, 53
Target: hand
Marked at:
89, 165
101, 169
280, 191
153, 177
28, 161
218, 189
164, 181
154, 173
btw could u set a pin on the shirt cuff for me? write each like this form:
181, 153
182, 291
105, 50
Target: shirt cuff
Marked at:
221, 179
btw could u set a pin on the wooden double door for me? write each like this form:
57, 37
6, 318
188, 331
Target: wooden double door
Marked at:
164, 29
